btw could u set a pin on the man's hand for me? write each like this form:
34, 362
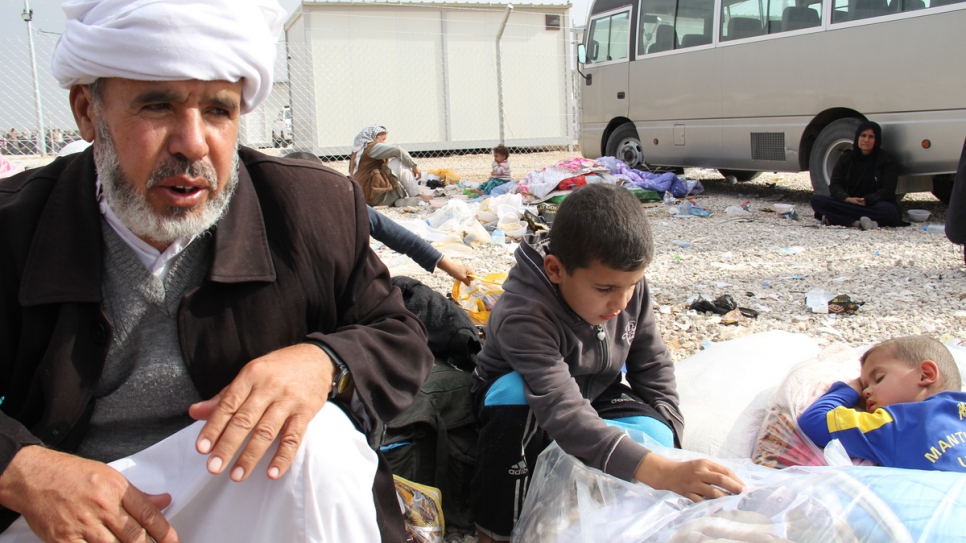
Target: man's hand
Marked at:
416, 173
856, 201
67, 498
696, 480
275, 395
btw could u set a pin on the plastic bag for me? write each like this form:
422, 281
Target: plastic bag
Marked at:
422, 510
478, 298
570, 503
781, 443
474, 233
447, 175
454, 209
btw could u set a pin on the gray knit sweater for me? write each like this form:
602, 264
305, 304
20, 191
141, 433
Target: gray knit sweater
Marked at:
145, 390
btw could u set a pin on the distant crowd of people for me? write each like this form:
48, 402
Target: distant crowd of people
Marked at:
27, 142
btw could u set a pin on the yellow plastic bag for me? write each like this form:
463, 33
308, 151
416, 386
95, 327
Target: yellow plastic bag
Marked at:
447, 175
478, 298
423, 513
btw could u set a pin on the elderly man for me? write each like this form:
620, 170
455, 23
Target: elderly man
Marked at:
166, 275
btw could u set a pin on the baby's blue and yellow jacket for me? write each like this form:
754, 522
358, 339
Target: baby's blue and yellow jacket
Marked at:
929, 435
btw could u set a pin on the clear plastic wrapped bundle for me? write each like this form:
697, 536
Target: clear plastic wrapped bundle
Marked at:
571, 503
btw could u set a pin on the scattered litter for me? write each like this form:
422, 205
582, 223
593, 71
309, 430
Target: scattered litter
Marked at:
841, 279
843, 304
681, 244
763, 308
705, 344
722, 284
665, 309
736, 211
691, 209
789, 251
739, 316
817, 300
723, 305
765, 284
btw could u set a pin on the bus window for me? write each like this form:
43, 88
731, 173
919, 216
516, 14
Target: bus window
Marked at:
656, 29
799, 17
608, 38
741, 19
694, 22
855, 10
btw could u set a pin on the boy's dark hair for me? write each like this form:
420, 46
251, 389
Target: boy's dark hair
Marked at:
304, 155
501, 149
914, 349
602, 223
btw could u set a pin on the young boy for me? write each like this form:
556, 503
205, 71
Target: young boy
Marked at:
575, 308
913, 413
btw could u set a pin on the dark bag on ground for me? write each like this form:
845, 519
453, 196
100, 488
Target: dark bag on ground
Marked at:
434, 441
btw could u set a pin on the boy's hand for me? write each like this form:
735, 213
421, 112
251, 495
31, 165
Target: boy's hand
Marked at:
696, 480
857, 386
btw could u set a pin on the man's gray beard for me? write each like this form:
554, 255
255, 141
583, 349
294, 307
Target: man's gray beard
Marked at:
132, 207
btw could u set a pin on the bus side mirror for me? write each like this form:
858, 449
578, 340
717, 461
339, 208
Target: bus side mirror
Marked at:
582, 59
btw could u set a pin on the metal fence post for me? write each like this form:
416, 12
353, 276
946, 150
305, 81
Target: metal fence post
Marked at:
499, 71
28, 16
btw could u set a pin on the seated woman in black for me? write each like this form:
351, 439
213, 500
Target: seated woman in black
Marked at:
863, 185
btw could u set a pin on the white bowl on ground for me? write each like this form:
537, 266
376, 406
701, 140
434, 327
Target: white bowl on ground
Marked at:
918, 215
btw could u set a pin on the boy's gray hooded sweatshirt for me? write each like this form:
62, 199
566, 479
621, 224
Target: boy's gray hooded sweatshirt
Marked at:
565, 365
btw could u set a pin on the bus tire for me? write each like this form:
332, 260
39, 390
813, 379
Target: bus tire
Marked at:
625, 144
740, 175
832, 141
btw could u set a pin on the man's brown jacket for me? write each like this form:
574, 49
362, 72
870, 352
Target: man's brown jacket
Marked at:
290, 262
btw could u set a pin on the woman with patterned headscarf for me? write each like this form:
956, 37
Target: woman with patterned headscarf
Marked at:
387, 173
863, 185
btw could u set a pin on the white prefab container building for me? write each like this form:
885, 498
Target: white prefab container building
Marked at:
427, 71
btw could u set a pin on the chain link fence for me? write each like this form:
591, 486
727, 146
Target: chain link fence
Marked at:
447, 82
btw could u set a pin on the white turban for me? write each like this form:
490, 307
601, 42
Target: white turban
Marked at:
171, 40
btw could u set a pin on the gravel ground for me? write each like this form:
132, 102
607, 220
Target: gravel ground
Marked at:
910, 281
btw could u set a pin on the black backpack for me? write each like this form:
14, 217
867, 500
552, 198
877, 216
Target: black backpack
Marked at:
434, 441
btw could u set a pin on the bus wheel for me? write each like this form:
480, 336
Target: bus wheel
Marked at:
626, 146
740, 175
834, 140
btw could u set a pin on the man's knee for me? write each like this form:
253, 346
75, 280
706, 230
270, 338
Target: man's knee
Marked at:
336, 451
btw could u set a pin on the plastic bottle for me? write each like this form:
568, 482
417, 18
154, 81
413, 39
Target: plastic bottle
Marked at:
498, 237
935, 229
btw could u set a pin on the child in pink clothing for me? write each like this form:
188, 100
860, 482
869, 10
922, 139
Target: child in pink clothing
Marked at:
501, 163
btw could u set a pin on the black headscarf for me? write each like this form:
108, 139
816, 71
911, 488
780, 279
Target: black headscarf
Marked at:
861, 176
877, 130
